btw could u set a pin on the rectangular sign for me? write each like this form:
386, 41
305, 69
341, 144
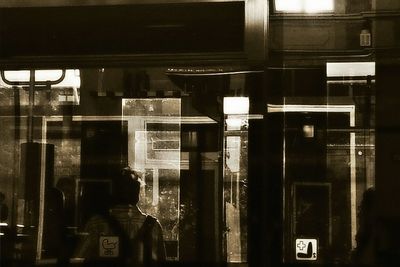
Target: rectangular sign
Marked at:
109, 246
306, 249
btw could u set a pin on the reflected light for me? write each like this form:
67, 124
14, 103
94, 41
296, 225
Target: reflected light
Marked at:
310, 108
308, 6
3, 224
233, 123
236, 105
318, 5
308, 131
71, 79
288, 5
40, 75
350, 69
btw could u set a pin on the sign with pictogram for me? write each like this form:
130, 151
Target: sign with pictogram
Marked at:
306, 249
109, 246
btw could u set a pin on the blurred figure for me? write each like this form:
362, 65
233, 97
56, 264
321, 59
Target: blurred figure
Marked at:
124, 235
365, 252
3, 208
5, 244
54, 224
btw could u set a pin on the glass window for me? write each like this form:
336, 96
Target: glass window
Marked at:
236, 111
68, 134
304, 6
328, 151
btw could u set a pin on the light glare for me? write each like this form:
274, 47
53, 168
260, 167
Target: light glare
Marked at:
318, 5
71, 79
236, 105
308, 6
233, 124
350, 69
288, 5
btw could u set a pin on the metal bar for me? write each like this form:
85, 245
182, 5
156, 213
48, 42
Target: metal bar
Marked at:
353, 182
36, 83
126, 60
30, 107
67, 3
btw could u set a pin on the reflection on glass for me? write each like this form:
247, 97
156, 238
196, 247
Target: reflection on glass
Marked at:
329, 162
236, 105
353, 81
313, 193
350, 69
67, 91
71, 79
235, 185
154, 150
303, 5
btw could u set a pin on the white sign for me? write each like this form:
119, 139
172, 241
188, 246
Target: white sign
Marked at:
306, 249
109, 246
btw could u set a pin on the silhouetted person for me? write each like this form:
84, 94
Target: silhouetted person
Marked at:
5, 247
54, 224
125, 235
3, 208
365, 252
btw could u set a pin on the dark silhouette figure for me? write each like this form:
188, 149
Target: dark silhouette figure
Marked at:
365, 252
54, 225
3, 208
5, 248
123, 236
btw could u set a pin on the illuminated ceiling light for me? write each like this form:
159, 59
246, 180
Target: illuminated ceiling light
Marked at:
304, 6
350, 69
236, 105
71, 79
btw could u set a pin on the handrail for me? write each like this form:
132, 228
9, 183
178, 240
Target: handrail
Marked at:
40, 83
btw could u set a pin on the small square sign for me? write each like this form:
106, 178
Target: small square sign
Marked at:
306, 249
109, 246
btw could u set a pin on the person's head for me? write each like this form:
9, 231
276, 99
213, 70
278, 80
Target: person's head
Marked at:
127, 187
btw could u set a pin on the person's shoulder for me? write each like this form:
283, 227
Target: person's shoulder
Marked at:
153, 221
96, 221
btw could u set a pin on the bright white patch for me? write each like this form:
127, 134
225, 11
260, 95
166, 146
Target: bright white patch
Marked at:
350, 69
236, 105
307, 6
71, 79
306, 249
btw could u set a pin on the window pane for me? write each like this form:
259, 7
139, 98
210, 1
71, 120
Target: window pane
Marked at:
304, 5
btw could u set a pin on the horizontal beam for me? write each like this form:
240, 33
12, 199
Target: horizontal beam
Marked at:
65, 3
